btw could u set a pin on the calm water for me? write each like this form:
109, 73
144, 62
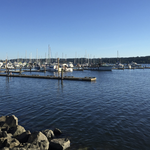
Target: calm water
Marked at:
112, 113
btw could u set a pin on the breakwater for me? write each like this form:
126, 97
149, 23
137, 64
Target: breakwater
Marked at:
15, 137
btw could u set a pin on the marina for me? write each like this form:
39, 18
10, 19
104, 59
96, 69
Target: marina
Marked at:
75, 75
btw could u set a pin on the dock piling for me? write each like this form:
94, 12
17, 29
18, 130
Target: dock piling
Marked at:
6, 65
58, 63
20, 71
61, 74
8, 72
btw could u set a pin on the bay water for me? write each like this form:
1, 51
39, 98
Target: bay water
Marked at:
111, 113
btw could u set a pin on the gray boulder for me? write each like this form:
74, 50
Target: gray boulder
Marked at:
5, 148
23, 138
59, 144
20, 148
57, 132
2, 139
38, 140
17, 130
12, 121
3, 134
48, 133
7, 122
11, 142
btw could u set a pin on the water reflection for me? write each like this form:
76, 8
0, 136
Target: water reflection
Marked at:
60, 85
7, 79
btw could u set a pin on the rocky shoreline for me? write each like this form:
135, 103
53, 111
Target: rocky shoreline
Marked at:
15, 137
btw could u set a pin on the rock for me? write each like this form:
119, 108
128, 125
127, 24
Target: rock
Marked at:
48, 133
57, 132
15, 137
6, 136
12, 121
2, 141
38, 140
20, 148
11, 142
3, 134
59, 144
7, 122
5, 148
23, 138
17, 130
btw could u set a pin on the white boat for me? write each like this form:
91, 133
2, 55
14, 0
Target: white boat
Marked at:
127, 66
66, 68
70, 65
1, 64
118, 65
53, 68
135, 65
16, 65
9, 65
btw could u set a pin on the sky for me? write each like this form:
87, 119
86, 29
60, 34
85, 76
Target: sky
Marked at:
74, 28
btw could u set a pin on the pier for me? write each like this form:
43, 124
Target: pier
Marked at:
51, 77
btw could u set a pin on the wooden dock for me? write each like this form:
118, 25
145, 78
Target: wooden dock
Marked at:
18, 71
51, 77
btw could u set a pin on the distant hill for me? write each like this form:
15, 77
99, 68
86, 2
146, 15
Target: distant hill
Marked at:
124, 60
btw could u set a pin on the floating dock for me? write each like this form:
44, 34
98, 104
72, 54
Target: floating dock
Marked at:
18, 71
51, 77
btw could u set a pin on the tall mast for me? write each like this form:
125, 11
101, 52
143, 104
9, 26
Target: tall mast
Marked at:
49, 54
37, 55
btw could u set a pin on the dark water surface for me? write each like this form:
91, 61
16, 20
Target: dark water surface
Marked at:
112, 113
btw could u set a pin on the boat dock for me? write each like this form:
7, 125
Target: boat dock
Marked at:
51, 77
18, 71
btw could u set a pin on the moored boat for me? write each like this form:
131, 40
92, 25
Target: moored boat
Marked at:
100, 67
53, 68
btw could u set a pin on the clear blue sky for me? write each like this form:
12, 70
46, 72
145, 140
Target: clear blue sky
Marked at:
74, 28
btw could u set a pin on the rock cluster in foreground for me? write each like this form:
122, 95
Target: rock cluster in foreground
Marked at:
15, 137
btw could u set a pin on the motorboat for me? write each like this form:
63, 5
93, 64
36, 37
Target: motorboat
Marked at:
67, 68
9, 65
53, 68
135, 65
70, 65
118, 65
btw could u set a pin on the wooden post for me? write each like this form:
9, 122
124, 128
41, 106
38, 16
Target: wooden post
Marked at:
6, 65
61, 74
20, 70
30, 68
8, 72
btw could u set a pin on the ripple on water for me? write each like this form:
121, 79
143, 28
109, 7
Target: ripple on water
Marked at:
111, 113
